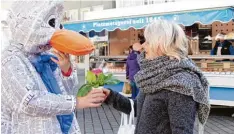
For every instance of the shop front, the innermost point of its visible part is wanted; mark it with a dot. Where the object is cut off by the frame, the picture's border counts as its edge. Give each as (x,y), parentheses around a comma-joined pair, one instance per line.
(201,23)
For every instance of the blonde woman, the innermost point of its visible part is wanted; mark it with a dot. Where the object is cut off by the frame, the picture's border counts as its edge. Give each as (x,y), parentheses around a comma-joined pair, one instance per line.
(172,88)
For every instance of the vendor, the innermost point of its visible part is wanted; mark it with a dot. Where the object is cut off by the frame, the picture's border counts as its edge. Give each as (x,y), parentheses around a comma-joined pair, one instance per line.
(222,47)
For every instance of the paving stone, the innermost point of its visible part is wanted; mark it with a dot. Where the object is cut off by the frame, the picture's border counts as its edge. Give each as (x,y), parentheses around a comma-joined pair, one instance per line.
(106,120)
(108,132)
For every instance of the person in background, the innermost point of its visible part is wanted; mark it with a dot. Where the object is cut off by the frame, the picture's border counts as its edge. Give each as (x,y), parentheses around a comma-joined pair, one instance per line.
(132,68)
(173,90)
(222,47)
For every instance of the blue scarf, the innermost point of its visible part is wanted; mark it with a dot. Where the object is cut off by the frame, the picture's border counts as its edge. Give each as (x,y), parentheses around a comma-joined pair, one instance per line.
(45,67)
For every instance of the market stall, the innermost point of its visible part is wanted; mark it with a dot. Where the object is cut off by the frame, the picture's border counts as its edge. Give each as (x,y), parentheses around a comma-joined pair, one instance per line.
(128,23)
(220,73)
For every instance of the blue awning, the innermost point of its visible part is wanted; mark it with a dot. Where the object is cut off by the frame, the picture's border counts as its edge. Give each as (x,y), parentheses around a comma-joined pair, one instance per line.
(185,18)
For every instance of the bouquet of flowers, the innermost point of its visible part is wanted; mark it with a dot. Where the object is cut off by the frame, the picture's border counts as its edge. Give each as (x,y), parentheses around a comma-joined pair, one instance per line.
(96,79)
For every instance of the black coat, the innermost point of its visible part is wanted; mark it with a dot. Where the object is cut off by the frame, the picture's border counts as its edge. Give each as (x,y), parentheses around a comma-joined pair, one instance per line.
(159,113)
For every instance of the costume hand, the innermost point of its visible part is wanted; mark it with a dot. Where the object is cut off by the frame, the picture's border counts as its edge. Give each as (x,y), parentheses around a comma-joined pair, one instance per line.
(93,99)
(63,61)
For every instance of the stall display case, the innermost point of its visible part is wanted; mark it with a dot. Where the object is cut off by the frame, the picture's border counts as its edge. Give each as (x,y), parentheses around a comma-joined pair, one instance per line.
(219,70)
(115,65)
(111,64)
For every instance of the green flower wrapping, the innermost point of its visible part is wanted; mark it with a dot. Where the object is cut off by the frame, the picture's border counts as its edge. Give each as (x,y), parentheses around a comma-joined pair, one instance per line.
(96,79)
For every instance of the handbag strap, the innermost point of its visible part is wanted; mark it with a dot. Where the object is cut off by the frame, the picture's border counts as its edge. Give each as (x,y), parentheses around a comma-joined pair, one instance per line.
(131,117)
(124,119)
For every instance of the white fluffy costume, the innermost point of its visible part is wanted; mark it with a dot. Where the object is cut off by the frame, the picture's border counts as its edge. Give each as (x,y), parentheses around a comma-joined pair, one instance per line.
(27,105)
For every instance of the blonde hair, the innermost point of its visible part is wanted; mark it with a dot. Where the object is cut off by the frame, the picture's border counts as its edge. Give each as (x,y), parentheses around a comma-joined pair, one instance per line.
(167,38)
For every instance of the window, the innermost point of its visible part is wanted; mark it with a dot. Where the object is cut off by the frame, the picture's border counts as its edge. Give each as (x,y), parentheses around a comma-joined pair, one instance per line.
(83,11)
(80,59)
(73,14)
(128,3)
(97,8)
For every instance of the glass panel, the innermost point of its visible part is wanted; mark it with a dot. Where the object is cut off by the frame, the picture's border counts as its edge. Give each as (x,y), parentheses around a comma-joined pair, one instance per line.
(80,59)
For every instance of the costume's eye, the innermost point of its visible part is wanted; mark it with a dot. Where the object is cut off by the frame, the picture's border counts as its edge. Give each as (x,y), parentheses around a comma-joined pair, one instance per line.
(61,26)
(52,22)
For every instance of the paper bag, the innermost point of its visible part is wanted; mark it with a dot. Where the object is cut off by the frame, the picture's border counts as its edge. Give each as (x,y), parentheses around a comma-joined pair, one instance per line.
(126,88)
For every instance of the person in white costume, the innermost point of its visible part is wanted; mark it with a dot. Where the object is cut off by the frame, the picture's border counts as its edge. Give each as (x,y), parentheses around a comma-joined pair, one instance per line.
(5,32)
(36,86)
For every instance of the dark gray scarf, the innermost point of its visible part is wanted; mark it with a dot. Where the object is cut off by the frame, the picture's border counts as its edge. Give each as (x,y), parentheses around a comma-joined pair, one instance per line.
(182,77)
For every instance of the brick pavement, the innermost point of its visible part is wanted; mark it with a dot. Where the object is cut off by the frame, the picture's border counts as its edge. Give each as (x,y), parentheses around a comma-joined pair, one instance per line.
(106,120)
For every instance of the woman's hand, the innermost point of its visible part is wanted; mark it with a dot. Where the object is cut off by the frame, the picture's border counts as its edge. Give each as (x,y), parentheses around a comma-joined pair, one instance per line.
(63,61)
(106,92)
(93,99)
